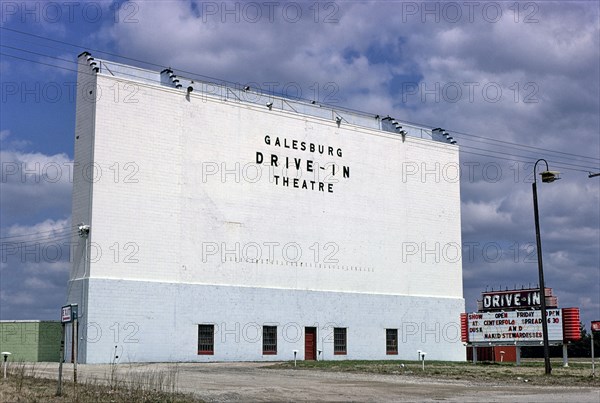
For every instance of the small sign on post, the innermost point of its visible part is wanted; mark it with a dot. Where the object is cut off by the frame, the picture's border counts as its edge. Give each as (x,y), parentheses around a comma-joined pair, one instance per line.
(68,313)
(65,314)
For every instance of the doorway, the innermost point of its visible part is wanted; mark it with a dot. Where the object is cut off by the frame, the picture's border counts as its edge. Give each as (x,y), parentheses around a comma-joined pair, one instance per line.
(310,343)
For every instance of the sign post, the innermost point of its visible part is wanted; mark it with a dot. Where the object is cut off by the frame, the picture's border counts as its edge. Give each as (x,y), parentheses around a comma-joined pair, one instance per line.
(595,328)
(61,359)
(593,363)
(75,337)
(67,314)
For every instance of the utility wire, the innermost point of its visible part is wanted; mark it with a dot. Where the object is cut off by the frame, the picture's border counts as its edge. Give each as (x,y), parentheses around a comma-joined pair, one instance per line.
(521,156)
(41,232)
(558,164)
(524,145)
(506,144)
(35,61)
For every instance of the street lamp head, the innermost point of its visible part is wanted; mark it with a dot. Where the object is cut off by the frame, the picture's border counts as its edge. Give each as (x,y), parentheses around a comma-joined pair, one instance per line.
(550,176)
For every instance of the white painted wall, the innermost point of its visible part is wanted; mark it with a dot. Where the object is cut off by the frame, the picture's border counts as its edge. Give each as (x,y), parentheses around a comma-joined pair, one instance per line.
(170,145)
(180,208)
(156,321)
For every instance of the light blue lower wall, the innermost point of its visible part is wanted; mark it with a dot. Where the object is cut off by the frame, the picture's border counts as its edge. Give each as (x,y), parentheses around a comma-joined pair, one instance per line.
(158,322)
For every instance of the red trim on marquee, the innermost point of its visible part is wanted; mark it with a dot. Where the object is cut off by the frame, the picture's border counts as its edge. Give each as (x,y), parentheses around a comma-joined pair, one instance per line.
(464,328)
(571,331)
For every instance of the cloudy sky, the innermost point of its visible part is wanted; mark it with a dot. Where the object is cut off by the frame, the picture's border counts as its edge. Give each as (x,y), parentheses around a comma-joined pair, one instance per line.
(512,81)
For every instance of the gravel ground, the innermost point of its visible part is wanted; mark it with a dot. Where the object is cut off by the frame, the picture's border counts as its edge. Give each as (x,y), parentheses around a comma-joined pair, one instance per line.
(256,382)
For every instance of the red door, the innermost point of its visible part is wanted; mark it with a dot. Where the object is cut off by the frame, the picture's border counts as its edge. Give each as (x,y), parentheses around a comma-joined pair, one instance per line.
(310,343)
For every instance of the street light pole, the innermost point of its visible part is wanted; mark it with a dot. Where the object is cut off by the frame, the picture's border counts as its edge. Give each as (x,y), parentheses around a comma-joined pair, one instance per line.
(547,177)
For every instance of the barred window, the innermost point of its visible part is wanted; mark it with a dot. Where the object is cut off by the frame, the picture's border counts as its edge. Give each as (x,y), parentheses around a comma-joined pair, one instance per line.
(206,339)
(339,340)
(269,339)
(391,341)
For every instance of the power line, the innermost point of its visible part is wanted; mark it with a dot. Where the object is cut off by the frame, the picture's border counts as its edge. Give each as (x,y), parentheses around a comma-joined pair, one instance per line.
(58,58)
(524,145)
(160,66)
(35,61)
(496,157)
(558,164)
(36,241)
(503,143)
(38,54)
(66,229)
(500,152)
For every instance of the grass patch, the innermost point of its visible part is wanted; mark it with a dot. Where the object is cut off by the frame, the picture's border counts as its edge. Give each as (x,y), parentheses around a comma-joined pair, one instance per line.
(532,372)
(147,387)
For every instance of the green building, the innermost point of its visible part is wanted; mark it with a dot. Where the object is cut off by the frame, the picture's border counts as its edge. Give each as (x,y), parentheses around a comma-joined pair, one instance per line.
(31,340)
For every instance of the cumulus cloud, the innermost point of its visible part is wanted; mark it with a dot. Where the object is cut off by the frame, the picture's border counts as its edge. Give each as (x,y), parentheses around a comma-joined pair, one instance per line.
(34,269)
(34,185)
(526,76)
(34,249)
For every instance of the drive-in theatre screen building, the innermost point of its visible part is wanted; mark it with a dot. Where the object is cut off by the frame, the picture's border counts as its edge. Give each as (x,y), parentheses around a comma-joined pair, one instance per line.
(219,223)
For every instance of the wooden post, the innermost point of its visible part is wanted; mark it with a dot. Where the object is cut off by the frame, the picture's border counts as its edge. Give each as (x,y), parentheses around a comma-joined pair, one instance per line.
(60,360)
(593,362)
(75,337)
(72,344)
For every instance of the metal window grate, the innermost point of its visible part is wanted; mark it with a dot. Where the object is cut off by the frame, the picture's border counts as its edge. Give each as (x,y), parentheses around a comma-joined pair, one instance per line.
(269,339)
(339,340)
(206,339)
(391,341)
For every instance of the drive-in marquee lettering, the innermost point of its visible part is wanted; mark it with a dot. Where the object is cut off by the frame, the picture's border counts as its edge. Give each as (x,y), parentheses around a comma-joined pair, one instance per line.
(511,299)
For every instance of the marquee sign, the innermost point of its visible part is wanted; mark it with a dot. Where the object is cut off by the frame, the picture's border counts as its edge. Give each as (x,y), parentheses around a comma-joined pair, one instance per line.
(515,299)
(514,326)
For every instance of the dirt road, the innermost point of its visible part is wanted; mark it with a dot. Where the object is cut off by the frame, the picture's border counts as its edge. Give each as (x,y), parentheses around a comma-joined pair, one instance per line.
(247,382)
